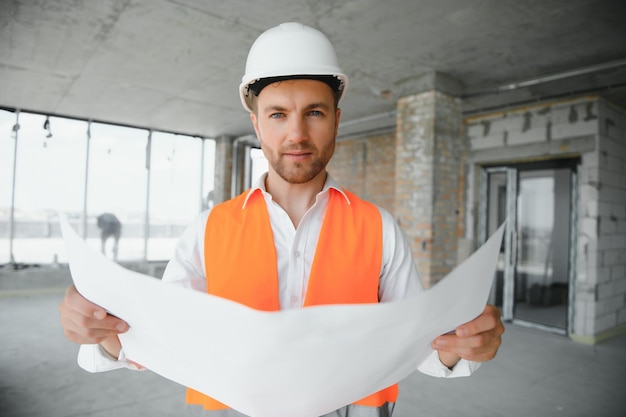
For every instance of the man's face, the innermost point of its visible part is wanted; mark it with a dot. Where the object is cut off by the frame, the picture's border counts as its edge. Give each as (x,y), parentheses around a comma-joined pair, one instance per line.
(296,123)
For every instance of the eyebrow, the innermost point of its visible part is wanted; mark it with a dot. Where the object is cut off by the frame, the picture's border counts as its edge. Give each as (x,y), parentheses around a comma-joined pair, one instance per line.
(320,105)
(312,106)
(273,108)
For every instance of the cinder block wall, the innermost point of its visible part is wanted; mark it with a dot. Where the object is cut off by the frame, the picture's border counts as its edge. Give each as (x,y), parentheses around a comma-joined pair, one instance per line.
(610,222)
(595,131)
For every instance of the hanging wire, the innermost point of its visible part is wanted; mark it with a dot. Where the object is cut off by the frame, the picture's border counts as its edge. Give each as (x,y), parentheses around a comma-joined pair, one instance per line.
(86,183)
(16,128)
(46,127)
(172,154)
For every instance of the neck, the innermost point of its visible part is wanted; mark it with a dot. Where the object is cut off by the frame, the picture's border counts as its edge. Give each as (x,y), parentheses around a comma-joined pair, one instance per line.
(295,199)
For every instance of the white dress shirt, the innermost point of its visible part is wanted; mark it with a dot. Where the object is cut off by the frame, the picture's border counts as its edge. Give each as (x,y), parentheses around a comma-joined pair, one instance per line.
(295,250)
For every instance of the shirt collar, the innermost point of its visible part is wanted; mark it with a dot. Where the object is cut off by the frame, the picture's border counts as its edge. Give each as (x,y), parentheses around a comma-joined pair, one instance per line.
(259,186)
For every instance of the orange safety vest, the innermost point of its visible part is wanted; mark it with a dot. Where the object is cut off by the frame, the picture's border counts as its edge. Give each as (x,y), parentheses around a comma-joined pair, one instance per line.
(240,260)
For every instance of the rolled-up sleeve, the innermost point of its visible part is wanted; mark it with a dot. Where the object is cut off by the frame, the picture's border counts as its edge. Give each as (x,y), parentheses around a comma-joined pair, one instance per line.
(92,358)
(432,366)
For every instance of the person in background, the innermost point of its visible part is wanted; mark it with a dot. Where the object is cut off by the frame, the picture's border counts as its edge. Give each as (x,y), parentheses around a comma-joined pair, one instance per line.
(110,228)
(295,238)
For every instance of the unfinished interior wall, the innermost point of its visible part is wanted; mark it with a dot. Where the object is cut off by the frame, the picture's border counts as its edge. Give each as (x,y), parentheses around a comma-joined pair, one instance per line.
(366,166)
(595,131)
(223,168)
(396,171)
(609,303)
(430,149)
(417,174)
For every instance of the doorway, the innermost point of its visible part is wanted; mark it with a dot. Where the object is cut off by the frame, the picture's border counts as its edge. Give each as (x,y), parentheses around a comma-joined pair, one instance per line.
(535,270)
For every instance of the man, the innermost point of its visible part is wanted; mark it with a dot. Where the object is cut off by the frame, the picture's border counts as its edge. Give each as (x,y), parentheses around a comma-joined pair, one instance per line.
(295,238)
(110,227)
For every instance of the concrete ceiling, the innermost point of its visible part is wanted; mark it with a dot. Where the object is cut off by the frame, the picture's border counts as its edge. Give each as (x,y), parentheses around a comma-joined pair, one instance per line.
(175,65)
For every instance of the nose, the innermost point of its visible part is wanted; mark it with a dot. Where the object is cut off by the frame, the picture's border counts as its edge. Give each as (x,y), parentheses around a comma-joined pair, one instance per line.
(298,130)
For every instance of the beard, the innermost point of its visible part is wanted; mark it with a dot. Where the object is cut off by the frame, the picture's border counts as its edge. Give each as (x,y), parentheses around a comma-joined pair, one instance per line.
(300,172)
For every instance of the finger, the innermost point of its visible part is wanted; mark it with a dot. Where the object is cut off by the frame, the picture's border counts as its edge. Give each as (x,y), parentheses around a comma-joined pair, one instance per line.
(480,347)
(86,330)
(75,301)
(475,333)
(87,314)
(468,349)
(489,319)
(481,353)
(91,327)
(137,365)
(85,322)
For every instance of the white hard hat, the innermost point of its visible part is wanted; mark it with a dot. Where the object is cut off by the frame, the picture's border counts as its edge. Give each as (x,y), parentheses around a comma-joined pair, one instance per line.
(290,50)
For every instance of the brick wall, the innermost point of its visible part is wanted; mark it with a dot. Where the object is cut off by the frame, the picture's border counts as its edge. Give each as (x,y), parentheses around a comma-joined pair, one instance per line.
(430,149)
(414,181)
(366,167)
(417,173)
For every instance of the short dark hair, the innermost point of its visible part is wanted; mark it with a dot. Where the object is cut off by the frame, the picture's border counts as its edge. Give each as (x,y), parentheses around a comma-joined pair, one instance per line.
(335,84)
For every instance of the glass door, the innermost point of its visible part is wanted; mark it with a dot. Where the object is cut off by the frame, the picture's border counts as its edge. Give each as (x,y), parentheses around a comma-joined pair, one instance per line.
(543,237)
(498,205)
(532,282)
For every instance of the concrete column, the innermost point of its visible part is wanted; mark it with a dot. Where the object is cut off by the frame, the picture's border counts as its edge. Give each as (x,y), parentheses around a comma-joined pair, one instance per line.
(430,154)
(223,168)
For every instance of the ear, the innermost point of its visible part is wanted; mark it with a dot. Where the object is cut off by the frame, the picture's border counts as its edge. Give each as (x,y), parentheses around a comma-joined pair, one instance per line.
(255,125)
(337,117)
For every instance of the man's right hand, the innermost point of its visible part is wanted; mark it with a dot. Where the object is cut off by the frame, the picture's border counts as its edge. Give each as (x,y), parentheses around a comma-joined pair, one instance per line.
(87,323)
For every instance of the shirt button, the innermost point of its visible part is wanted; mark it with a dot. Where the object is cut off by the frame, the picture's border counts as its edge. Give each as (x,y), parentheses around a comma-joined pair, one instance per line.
(296,254)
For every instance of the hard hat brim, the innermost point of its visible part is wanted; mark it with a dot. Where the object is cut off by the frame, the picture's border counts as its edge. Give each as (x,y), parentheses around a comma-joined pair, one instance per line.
(247,91)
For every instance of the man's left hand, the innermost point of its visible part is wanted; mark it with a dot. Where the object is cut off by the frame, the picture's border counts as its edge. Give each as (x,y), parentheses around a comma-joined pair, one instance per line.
(477,340)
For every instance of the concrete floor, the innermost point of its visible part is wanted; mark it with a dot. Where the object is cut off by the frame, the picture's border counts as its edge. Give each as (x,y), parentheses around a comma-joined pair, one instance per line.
(535,374)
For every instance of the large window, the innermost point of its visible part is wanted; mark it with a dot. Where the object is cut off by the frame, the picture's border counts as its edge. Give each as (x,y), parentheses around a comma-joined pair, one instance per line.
(48,178)
(7,147)
(208,168)
(176,190)
(259,164)
(117,187)
(136,188)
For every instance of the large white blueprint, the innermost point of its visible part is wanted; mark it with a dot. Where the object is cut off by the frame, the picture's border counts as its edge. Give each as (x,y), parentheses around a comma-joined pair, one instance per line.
(288,363)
